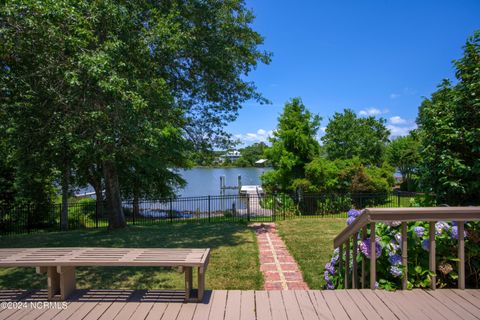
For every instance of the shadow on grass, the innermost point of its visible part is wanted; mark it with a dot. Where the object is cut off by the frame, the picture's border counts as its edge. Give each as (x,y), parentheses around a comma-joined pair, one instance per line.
(229,236)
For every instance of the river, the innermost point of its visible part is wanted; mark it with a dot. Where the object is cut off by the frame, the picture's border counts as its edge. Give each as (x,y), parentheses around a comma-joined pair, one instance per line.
(206,181)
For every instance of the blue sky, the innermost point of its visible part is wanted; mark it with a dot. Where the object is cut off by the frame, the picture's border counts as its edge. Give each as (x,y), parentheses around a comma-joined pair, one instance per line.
(375,57)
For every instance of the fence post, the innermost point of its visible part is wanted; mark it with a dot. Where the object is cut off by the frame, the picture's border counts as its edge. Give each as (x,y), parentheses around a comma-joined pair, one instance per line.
(96,213)
(209,212)
(171,210)
(248,207)
(284,208)
(133,211)
(274,205)
(59,216)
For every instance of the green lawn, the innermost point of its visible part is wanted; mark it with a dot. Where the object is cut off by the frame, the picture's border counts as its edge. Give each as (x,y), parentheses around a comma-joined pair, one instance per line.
(233,263)
(310,241)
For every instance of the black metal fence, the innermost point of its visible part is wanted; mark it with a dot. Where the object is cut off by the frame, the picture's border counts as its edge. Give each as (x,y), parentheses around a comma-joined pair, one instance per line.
(85,213)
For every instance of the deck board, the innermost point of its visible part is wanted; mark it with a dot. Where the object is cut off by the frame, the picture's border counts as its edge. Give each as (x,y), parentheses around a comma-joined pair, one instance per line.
(306,305)
(378,305)
(262,305)
(247,305)
(320,305)
(457,309)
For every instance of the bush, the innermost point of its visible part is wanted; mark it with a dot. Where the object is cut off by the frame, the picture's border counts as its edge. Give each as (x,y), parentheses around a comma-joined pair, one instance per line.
(389,263)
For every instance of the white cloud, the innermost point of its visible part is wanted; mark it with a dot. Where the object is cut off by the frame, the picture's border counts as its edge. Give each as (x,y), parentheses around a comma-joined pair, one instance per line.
(372,112)
(404,92)
(397,120)
(398,131)
(394,96)
(261,135)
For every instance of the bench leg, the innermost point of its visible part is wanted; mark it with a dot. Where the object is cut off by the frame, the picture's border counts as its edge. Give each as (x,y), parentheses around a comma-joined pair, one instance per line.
(67,281)
(61,282)
(53,280)
(188,282)
(201,283)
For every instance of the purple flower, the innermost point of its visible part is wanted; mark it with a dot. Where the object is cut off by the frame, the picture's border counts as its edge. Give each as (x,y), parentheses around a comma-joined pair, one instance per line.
(376,285)
(419,231)
(395,260)
(440,226)
(365,248)
(392,247)
(426,244)
(396,271)
(326,276)
(350,220)
(353,213)
(330,268)
(330,285)
(398,237)
(455,232)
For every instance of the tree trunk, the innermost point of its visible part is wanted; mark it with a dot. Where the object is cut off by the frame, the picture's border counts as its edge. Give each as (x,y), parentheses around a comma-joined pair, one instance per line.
(99,199)
(95,180)
(64,211)
(116,218)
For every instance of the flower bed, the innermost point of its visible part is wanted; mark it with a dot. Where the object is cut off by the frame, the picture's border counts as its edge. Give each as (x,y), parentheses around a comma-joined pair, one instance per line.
(388,252)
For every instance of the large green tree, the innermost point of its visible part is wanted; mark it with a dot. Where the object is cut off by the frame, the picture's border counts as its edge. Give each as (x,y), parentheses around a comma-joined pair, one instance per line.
(294,144)
(449,129)
(251,154)
(348,136)
(122,90)
(404,154)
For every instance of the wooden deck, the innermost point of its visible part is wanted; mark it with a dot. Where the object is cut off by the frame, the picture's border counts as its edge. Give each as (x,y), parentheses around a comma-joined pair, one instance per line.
(232,304)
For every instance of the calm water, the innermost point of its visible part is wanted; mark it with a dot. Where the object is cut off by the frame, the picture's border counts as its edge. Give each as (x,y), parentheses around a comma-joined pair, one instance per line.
(206,181)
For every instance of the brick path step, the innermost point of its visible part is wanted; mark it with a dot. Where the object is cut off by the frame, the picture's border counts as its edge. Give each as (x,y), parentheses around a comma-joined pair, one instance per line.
(280,270)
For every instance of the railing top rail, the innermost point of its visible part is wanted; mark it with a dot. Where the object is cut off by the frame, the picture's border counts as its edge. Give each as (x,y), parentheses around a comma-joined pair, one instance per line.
(406,214)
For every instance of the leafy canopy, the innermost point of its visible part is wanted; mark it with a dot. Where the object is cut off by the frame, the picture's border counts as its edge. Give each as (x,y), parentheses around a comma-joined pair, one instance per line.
(294,144)
(449,131)
(404,154)
(126,89)
(348,136)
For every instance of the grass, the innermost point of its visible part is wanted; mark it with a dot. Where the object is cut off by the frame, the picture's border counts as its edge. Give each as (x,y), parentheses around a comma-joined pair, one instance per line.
(233,262)
(310,241)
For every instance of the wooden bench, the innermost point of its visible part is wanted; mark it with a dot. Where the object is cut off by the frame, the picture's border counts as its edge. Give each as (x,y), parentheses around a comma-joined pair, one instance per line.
(59,264)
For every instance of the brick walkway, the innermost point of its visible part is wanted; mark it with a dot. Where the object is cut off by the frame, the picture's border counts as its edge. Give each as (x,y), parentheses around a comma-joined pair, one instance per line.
(280,271)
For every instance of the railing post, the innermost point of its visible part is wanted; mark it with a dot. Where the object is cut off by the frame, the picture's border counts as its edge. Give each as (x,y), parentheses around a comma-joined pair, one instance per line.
(431,259)
(347,263)
(364,236)
(398,200)
(209,212)
(373,257)
(340,260)
(404,256)
(354,262)
(284,208)
(171,210)
(461,255)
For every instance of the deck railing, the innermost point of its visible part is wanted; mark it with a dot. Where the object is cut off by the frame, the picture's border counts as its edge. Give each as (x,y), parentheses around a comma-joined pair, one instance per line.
(370,217)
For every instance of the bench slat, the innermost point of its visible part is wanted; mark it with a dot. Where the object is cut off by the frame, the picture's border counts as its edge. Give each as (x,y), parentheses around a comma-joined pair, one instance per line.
(103,257)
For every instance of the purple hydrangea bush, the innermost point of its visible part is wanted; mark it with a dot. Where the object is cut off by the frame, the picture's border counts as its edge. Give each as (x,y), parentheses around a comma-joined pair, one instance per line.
(388,252)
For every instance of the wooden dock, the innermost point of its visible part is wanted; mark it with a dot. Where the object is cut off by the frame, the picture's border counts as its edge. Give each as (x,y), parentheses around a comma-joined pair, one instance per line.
(233,304)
